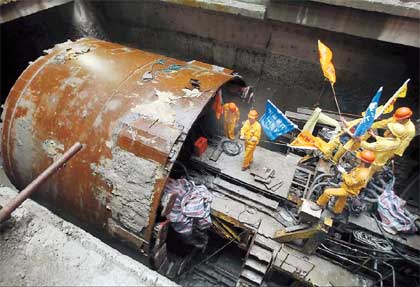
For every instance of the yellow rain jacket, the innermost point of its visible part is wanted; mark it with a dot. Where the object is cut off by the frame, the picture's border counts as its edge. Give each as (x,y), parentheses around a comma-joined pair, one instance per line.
(384,149)
(405,138)
(230,121)
(355,180)
(252,135)
(351,185)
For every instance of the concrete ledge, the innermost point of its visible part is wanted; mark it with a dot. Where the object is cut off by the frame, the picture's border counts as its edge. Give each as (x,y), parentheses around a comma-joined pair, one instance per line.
(404,8)
(342,19)
(37,248)
(244,8)
(15,10)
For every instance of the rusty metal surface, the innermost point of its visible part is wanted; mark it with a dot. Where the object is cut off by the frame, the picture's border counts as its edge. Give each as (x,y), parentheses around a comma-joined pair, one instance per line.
(93,92)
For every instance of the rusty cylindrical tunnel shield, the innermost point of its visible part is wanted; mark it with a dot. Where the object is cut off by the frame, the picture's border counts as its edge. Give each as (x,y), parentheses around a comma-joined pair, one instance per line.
(130,110)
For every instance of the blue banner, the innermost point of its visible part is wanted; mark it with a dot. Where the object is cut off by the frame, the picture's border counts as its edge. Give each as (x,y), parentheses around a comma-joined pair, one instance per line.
(274,122)
(369,116)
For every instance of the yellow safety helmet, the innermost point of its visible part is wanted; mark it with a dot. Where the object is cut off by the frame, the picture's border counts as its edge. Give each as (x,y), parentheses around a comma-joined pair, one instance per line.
(253,114)
(397,129)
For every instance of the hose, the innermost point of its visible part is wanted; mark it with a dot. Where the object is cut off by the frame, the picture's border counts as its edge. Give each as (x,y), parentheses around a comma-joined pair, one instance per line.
(329,251)
(318,178)
(377,187)
(390,243)
(393,272)
(187,175)
(370,199)
(311,190)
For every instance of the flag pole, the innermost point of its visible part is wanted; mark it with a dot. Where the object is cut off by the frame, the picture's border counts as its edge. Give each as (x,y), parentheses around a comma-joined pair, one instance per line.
(335,99)
(318,101)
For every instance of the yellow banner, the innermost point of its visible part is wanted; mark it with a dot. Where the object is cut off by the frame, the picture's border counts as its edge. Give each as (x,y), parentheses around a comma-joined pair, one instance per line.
(325,58)
(389,105)
(305,140)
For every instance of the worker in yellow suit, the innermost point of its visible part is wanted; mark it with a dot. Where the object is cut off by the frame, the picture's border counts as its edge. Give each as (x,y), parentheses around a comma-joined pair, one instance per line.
(231,117)
(351,184)
(384,147)
(335,142)
(399,125)
(251,133)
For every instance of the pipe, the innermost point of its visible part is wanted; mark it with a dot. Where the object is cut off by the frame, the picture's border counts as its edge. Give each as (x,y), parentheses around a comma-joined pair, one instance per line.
(319,177)
(32,187)
(377,187)
(356,263)
(393,273)
(365,197)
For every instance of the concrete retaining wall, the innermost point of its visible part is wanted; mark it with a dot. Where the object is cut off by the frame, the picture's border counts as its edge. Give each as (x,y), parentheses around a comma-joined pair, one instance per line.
(283,52)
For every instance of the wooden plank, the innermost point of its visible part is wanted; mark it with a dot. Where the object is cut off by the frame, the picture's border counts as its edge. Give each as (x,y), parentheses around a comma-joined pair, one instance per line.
(241,191)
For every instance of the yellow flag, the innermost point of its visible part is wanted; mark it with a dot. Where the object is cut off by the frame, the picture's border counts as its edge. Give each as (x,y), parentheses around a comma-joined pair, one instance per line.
(305,140)
(389,105)
(325,58)
(401,93)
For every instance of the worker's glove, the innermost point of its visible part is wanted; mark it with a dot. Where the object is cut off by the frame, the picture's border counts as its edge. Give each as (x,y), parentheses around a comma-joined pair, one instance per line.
(242,137)
(340,168)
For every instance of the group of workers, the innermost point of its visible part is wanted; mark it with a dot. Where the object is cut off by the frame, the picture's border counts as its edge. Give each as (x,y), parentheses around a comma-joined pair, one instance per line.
(399,131)
(250,131)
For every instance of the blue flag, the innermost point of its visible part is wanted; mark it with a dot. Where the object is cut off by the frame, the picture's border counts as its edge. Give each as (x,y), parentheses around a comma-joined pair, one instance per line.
(369,116)
(274,122)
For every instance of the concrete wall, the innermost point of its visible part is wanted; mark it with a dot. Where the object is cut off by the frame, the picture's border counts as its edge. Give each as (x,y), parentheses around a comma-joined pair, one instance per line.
(281,56)
(282,52)
(25,38)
